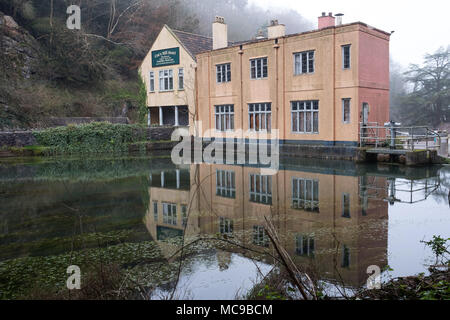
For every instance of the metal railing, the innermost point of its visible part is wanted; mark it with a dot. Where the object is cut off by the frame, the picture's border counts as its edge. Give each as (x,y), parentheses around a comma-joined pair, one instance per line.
(399,137)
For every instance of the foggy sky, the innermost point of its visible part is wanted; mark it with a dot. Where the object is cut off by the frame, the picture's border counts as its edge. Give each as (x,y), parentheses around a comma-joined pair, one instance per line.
(420,26)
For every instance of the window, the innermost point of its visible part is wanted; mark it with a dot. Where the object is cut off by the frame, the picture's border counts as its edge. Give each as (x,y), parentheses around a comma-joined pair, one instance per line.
(170,213)
(261,188)
(346,205)
(152,81)
(305,194)
(165,80)
(224,118)
(260,237)
(184,214)
(304,62)
(223,72)
(304,245)
(345,257)
(346,57)
(346,110)
(305,116)
(258,68)
(225,184)
(225,226)
(181,79)
(155,210)
(260,116)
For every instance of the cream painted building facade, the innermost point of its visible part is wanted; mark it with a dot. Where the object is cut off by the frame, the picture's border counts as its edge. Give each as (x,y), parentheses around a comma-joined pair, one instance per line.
(168,72)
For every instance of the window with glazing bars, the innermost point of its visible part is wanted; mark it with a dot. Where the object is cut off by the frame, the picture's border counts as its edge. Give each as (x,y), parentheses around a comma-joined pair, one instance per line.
(260,237)
(305,116)
(304,62)
(181,79)
(305,194)
(223,72)
(155,210)
(165,80)
(305,245)
(260,116)
(225,226)
(346,56)
(152,81)
(224,117)
(258,68)
(261,188)
(346,110)
(184,214)
(346,205)
(170,213)
(225,184)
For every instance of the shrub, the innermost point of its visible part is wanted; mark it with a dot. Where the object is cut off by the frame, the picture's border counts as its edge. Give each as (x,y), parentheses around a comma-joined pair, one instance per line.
(99,137)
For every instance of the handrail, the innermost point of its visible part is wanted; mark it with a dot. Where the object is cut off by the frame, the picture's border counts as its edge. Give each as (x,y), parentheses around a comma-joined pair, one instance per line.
(405,137)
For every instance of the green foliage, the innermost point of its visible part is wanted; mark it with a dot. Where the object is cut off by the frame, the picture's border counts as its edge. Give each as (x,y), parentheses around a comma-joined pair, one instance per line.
(98,137)
(440,248)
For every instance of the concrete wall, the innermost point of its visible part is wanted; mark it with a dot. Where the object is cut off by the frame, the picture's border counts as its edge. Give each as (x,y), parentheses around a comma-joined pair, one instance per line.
(17,139)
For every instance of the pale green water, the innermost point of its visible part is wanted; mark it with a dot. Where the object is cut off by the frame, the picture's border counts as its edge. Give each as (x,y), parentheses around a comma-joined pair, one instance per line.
(336,218)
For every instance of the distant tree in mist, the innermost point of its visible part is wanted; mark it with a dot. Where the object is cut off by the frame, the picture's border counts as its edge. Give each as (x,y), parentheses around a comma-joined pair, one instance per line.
(428,103)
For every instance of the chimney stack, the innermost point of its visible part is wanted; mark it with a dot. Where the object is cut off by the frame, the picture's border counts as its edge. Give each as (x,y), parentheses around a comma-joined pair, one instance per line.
(220,33)
(326,21)
(339,18)
(276,30)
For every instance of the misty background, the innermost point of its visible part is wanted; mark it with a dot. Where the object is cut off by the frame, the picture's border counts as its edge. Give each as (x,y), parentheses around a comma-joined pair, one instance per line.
(93,72)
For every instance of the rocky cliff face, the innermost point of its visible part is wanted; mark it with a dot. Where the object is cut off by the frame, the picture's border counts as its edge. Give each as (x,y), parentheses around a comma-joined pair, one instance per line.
(18,48)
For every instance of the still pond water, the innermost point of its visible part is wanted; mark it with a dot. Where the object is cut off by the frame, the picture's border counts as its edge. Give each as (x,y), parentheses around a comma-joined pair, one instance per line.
(336,218)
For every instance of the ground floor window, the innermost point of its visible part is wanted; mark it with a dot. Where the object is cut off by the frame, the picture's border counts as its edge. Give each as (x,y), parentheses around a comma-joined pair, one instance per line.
(260,116)
(305,116)
(305,194)
(224,117)
(170,213)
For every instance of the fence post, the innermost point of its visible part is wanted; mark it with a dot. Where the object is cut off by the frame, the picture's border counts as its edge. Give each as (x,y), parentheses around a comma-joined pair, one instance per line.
(412,139)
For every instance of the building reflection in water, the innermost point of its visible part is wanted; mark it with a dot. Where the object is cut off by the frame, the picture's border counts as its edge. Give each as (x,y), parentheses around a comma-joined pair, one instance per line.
(335,223)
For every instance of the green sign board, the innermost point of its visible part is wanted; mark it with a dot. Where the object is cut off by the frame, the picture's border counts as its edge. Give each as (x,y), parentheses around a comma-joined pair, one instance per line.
(166,57)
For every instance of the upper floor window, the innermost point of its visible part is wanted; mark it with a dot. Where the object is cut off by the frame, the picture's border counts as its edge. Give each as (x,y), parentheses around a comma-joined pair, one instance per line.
(260,116)
(225,184)
(226,226)
(305,116)
(170,213)
(166,80)
(260,237)
(258,68)
(261,188)
(224,117)
(346,56)
(304,245)
(305,194)
(184,215)
(346,205)
(155,210)
(304,62)
(346,110)
(181,79)
(223,72)
(152,81)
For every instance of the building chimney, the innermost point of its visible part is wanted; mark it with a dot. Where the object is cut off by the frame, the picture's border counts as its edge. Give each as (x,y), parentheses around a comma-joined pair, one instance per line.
(339,18)
(326,21)
(276,30)
(220,33)
(260,35)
